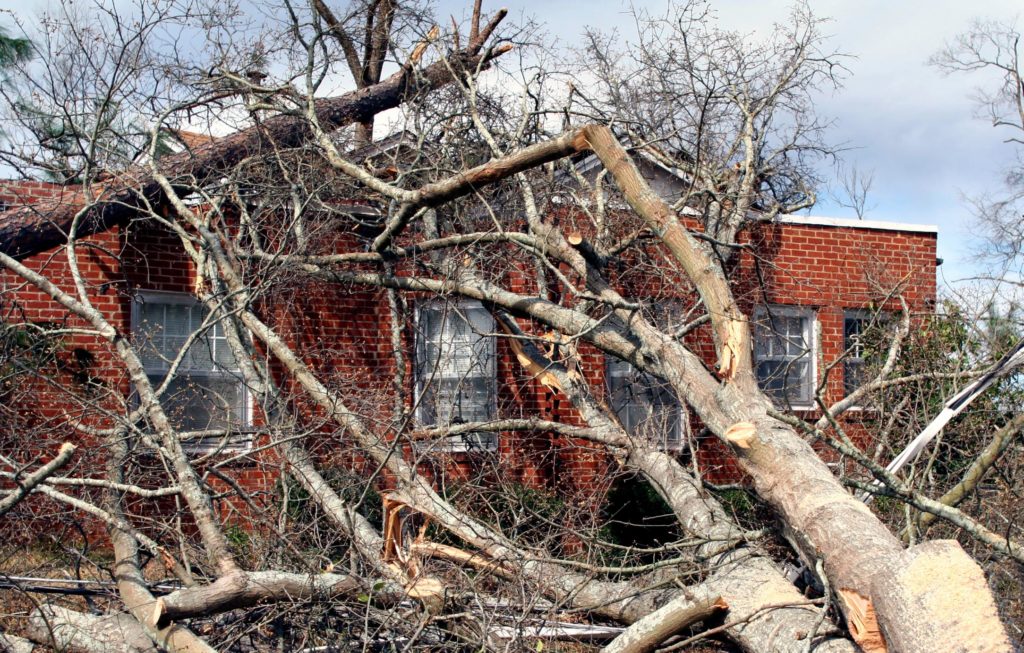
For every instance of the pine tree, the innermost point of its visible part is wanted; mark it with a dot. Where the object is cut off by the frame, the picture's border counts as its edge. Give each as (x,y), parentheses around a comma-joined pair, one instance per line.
(13,50)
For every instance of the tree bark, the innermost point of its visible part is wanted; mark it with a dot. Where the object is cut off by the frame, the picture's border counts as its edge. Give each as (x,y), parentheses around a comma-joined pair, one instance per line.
(68,630)
(246,589)
(650,631)
(32,229)
(822,519)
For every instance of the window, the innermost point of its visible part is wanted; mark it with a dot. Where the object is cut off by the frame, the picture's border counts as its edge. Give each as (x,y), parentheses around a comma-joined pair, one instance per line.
(455,371)
(865,333)
(645,405)
(855,323)
(784,354)
(206,393)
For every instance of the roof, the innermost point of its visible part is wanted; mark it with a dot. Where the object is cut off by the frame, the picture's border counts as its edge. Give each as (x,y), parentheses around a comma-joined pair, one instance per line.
(192,140)
(854,223)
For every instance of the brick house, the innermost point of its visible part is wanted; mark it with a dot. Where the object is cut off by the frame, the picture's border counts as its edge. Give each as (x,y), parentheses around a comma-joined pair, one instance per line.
(810,284)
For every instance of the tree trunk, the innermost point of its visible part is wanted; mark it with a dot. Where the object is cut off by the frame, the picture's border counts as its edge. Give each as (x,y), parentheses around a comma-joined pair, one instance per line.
(937,578)
(68,630)
(246,589)
(650,631)
(28,230)
(822,519)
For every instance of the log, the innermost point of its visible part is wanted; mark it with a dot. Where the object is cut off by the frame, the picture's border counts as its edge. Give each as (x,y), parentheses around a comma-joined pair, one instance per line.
(938,578)
(15,644)
(246,589)
(646,634)
(67,630)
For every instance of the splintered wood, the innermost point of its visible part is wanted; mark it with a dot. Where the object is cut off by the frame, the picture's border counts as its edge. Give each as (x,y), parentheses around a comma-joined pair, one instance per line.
(733,340)
(860,615)
(538,371)
(392,529)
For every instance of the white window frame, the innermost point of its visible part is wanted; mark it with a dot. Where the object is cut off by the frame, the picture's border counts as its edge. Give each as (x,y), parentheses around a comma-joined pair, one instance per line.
(238,442)
(854,357)
(424,377)
(616,371)
(763,314)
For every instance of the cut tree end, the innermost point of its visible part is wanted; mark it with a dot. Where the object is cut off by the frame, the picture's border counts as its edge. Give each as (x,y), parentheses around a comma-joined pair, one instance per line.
(741,434)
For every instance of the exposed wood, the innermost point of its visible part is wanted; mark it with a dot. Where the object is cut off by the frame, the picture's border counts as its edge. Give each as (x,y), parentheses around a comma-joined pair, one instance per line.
(938,578)
(741,434)
(649,632)
(473,559)
(429,591)
(392,530)
(732,349)
(527,357)
(421,47)
(862,622)
(404,558)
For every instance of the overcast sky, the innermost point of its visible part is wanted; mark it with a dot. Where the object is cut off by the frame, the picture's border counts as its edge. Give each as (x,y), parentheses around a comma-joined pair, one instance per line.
(912,126)
(903,120)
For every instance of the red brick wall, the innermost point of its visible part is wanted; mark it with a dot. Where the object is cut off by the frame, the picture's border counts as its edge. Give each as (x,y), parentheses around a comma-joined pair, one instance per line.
(24,193)
(343,333)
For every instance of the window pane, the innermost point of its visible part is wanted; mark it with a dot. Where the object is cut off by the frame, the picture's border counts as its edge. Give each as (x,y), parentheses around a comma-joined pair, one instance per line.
(854,370)
(456,369)
(645,405)
(177,320)
(786,381)
(224,358)
(853,375)
(853,327)
(204,394)
(782,354)
(199,403)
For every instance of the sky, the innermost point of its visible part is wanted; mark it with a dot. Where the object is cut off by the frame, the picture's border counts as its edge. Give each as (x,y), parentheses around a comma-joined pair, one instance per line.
(912,127)
(902,119)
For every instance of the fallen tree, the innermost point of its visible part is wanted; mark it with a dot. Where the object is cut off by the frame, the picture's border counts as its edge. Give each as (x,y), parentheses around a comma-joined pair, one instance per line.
(428,241)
